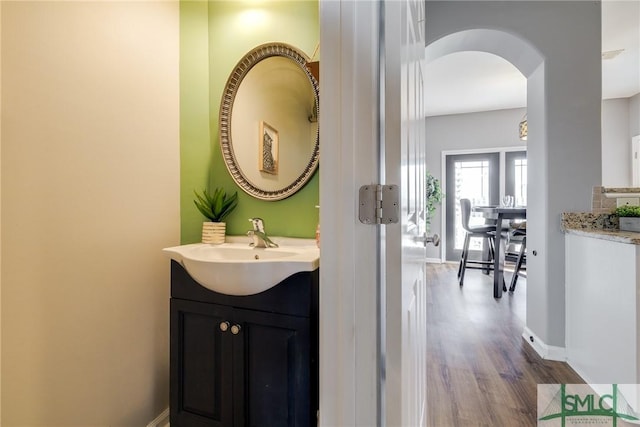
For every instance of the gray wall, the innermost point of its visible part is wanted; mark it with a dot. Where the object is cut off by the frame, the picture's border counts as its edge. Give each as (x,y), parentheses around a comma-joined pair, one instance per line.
(492,129)
(498,129)
(564,112)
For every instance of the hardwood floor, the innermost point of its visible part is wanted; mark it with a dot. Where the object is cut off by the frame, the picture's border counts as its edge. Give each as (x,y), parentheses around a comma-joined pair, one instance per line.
(480,371)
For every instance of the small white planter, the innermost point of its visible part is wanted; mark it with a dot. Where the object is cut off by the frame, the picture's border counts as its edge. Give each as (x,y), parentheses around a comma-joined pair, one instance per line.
(630,224)
(213,232)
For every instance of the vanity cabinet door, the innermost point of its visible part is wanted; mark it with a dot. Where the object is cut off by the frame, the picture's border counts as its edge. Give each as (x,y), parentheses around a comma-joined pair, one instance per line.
(201,365)
(272,375)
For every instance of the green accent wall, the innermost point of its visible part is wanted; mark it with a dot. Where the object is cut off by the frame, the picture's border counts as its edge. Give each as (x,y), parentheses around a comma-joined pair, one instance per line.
(214,36)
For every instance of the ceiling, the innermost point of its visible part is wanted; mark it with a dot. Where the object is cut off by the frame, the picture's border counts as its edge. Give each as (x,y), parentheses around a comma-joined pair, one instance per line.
(466,82)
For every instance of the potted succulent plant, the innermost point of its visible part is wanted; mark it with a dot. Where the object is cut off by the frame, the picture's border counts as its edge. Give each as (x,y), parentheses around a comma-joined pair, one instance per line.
(215,207)
(629,218)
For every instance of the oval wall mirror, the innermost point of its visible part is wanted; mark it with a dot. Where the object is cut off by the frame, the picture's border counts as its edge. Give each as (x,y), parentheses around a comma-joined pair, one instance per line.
(269,122)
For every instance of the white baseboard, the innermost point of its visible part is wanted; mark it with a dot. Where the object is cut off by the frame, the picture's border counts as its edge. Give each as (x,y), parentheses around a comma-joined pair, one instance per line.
(548,352)
(584,377)
(161,420)
(433,261)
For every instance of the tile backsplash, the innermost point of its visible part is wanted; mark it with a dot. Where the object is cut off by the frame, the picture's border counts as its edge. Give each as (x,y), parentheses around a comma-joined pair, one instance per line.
(604,200)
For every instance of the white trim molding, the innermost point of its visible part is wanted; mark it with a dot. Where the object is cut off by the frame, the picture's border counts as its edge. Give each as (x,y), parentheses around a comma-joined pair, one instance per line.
(484,150)
(547,352)
(635,160)
(161,420)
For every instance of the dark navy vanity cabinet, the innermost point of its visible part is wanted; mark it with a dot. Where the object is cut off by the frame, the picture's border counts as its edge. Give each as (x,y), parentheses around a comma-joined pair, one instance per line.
(241,361)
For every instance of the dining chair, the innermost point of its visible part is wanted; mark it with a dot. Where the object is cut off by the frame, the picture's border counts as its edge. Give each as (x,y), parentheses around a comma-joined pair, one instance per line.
(519,234)
(486,232)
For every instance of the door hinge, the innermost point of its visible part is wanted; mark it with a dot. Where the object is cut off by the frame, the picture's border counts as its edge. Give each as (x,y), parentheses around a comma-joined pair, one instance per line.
(379,204)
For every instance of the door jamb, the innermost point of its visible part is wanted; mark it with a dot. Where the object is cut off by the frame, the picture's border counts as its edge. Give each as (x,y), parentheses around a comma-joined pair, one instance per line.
(349,357)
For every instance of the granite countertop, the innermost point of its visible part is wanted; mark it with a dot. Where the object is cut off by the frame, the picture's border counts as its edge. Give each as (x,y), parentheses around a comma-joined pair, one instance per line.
(628,237)
(598,226)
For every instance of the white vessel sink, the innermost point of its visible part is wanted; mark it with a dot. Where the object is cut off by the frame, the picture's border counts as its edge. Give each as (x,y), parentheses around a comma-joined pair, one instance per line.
(239,269)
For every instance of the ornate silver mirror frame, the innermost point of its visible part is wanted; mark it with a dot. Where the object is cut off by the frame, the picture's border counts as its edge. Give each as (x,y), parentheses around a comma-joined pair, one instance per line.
(248,62)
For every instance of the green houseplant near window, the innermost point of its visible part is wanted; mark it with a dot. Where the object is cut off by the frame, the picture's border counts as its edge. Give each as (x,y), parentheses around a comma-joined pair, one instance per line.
(629,218)
(215,207)
(434,198)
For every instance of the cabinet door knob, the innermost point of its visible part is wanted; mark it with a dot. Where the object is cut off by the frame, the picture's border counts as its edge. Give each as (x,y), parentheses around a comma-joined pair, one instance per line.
(224,326)
(235,329)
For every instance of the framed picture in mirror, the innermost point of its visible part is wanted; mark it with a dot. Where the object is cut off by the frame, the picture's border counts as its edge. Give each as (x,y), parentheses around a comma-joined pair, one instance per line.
(269,144)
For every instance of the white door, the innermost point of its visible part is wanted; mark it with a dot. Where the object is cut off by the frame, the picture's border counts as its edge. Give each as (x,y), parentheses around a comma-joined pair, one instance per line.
(372,296)
(404,163)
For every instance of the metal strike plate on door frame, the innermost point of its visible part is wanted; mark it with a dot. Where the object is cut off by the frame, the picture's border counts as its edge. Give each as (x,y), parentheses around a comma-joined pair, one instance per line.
(379,204)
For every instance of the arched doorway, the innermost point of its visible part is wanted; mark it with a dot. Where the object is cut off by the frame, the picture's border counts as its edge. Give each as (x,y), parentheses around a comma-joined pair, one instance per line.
(528,60)
(556,46)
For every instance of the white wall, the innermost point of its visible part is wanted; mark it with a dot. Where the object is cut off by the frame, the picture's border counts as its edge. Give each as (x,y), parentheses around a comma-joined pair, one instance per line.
(591,262)
(90,194)
(634,115)
(616,143)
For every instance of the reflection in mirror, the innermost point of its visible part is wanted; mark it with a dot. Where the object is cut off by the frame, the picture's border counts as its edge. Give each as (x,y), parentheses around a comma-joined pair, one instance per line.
(268,122)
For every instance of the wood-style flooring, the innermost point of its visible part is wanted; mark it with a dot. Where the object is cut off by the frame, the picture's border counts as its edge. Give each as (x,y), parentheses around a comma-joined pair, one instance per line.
(480,371)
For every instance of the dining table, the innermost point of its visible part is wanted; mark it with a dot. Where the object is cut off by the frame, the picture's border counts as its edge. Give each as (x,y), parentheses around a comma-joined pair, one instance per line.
(500,214)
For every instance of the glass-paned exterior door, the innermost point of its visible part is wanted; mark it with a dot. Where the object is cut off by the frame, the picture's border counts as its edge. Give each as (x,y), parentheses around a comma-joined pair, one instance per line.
(469,176)
(516,176)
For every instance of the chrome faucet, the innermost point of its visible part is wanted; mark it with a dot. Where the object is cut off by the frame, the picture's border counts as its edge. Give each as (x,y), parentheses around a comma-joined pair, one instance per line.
(259,238)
